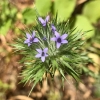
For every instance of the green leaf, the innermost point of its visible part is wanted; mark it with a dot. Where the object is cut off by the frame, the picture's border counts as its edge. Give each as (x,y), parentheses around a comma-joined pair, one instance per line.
(29,15)
(64,8)
(92,10)
(70,70)
(43,6)
(62,73)
(4,29)
(83,24)
(38,76)
(13,12)
(7,12)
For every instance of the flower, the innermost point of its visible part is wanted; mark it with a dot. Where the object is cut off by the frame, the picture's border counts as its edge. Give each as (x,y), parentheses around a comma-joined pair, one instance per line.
(30,39)
(59,39)
(53,28)
(42,54)
(44,21)
(44,38)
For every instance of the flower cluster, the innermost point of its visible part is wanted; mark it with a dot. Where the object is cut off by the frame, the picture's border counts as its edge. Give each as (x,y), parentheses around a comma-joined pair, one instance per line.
(58,39)
(51,46)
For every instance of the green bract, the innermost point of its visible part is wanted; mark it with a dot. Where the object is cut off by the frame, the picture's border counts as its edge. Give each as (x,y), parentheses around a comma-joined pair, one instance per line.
(67,58)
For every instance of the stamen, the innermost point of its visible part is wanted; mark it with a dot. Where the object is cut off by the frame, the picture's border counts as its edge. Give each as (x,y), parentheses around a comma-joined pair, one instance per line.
(59,40)
(31,39)
(43,53)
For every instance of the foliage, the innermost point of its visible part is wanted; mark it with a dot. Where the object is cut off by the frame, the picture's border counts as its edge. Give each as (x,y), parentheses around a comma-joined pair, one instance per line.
(83,23)
(7,16)
(4,86)
(69,58)
(91,11)
(29,15)
(97,87)
(64,8)
(43,6)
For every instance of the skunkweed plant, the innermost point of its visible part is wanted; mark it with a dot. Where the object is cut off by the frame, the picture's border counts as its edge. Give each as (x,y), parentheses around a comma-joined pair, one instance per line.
(50,46)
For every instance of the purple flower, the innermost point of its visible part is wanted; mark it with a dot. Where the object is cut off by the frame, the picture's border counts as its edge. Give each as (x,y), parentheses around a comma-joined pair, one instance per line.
(44,38)
(53,28)
(42,54)
(30,39)
(59,39)
(44,21)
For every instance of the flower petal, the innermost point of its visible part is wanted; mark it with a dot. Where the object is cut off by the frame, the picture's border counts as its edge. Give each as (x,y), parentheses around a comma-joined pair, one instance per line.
(64,36)
(28,35)
(47,18)
(45,50)
(35,40)
(57,34)
(26,41)
(33,34)
(38,56)
(53,39)
(46,55)
(41,20)
(39,51)
(64,41)
(44,24)
(53,28)
(29,44)
(43,58)
(58,45)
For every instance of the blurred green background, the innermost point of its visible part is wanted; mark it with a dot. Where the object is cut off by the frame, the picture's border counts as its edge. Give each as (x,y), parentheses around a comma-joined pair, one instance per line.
(19,14)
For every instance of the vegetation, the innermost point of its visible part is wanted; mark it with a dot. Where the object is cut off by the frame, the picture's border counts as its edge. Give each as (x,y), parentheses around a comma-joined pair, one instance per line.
(83,22)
